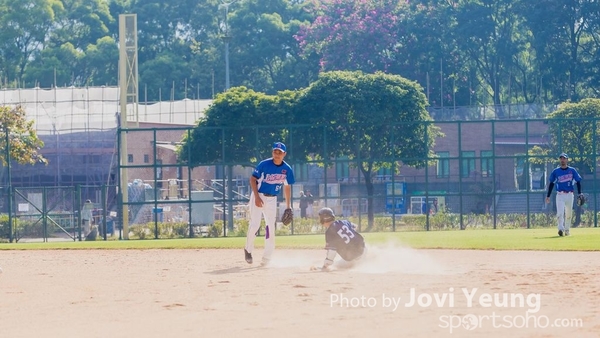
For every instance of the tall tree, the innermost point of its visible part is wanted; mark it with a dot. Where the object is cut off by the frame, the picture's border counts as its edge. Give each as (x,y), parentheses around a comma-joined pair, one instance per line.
(264,54)
(83,22)
(368,118)
(564,33)
(353,35)
(488,32)
(25,27)
(238,128)
(575,130)
(58,66)
(101,63)
(429,54)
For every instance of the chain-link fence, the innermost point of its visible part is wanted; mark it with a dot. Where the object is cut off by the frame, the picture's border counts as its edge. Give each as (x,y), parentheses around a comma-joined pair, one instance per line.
(439,175)
(482,174)
(58,213)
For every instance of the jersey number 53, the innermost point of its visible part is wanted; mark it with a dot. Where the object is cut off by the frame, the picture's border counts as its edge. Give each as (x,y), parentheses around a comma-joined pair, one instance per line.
(346,234)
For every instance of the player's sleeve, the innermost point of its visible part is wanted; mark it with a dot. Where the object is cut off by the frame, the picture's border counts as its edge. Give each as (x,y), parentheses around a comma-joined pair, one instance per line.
(552,177)
(576,176)
(257,171)
(550,187)
(289,177)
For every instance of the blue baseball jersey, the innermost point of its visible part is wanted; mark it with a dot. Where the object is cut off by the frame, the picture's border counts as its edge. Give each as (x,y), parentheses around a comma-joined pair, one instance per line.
(272,177)
(563,178)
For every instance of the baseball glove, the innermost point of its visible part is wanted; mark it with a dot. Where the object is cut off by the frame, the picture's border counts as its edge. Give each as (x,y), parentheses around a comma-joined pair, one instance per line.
(287,217)
(580,199)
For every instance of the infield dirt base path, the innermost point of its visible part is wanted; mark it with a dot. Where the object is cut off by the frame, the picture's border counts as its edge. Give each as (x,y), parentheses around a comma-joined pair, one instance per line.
(214,293)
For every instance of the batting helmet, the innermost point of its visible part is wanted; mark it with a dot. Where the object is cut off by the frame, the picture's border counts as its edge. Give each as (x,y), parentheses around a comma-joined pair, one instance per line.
(326,215)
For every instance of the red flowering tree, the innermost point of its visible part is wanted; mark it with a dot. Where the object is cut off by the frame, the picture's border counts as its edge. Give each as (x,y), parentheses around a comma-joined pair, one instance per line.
(353,34)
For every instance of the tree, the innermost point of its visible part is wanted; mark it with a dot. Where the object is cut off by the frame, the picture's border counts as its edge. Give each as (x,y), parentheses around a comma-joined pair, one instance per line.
(101,63)
(488,32)
(372,119)
(25,26)
(575,130)
(183,32)
(83,22)
(353,35)
(23,140)
(564,37)
(165,73)
(428,52)
(264,53)
(54,67)
(237,128)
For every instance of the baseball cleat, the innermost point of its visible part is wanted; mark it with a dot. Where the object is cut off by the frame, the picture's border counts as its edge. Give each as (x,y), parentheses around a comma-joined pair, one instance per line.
(248,256)
(567,233)
(560,233)
(264,262)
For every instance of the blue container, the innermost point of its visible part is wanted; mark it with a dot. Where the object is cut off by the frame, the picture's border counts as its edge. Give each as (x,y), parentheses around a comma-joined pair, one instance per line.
(158,212)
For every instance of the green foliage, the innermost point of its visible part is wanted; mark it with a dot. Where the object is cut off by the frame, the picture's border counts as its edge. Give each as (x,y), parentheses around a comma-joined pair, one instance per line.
(139,231)
(340,35)
(306,226)
(32,228)
(539,155)
(229,131)
(266,53)
(350,108)
(215,230)
(4,226)
(241,227)
(466,52)
(23,140)
(574,132)
(368,117)
(165,230)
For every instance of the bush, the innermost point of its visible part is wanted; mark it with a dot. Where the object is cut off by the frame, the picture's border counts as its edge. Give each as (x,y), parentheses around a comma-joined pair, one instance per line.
(4,226)
(139,231)
(216,229)
(240,228)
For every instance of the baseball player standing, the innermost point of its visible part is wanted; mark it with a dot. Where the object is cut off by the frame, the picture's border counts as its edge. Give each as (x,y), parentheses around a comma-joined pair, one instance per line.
(266,181)
(341,238)
(562,177)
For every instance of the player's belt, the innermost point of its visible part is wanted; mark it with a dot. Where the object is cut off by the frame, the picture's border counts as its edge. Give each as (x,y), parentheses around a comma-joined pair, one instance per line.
(565,192)
(268,195)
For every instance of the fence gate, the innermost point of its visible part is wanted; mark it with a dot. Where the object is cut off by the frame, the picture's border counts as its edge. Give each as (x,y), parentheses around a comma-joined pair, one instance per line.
(45,212)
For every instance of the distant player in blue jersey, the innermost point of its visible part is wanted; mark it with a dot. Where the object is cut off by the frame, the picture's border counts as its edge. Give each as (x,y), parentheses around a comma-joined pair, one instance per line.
(563,178)
(268,178)
(341,238)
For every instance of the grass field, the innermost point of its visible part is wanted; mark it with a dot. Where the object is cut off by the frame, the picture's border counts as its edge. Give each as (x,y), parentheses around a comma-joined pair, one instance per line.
(582,239)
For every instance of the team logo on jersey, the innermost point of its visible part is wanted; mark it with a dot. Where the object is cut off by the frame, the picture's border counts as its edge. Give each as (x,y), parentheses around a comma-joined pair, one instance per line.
(274,178)
(284,171)
(565,178)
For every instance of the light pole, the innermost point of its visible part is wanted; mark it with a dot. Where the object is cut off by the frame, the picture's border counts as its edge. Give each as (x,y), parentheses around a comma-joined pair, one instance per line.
(9,178)
(226,38)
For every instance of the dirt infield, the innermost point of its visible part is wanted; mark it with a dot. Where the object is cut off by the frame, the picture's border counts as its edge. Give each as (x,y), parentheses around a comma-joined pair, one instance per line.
(214,293)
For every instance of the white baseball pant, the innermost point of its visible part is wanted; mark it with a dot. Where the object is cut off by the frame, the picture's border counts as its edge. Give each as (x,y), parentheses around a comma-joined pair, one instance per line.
(269,211)
(564,210)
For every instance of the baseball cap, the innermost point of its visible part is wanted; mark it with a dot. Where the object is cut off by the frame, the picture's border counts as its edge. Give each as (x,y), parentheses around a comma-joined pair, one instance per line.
(279,146)
(563,155)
